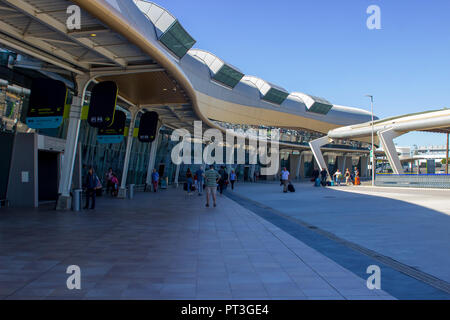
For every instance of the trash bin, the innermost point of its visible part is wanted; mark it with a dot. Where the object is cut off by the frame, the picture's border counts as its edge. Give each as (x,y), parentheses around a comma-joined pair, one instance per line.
(131,191)
(77,199)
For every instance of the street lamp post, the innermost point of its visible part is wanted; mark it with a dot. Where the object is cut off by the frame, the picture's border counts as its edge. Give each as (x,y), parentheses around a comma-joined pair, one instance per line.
(372,149)
(446,156)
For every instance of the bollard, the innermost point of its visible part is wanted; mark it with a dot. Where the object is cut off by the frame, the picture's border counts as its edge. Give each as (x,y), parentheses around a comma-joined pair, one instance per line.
(131,191)
(77,199)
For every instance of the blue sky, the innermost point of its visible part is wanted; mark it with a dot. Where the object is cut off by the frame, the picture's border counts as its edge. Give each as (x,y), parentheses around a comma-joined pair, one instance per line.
(324,48)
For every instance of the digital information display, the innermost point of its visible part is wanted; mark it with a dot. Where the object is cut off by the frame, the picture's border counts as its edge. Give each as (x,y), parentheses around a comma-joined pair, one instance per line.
(103,104)
(47,101)
(148,126)
(115,132)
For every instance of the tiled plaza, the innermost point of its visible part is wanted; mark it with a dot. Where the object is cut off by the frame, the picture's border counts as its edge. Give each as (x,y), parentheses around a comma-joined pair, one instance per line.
(166,245)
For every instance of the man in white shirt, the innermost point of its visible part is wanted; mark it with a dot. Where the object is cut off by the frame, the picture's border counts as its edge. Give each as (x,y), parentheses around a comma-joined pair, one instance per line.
(285,179)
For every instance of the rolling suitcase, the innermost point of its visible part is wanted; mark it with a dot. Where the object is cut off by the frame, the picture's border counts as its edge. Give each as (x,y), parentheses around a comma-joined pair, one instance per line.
(317,183)
(291,188)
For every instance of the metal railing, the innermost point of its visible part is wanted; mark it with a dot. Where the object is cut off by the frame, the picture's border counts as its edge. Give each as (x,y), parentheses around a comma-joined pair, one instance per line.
(441,181)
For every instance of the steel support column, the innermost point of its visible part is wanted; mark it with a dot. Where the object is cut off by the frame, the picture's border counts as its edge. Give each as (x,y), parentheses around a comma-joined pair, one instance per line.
(64,201)
(152,159)
(123,189)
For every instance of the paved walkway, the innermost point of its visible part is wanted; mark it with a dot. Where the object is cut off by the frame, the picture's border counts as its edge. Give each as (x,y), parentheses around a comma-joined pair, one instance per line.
(411,226)
(164,246)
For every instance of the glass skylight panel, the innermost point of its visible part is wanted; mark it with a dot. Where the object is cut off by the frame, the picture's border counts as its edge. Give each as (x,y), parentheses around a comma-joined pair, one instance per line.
(275,96)
(228,76)
(168,29)
(177,40)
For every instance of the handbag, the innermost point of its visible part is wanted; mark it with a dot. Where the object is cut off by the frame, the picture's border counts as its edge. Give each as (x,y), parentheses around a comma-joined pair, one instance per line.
(99,184)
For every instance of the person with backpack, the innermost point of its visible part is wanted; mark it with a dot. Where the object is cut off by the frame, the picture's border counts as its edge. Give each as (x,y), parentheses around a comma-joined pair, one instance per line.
(92,184)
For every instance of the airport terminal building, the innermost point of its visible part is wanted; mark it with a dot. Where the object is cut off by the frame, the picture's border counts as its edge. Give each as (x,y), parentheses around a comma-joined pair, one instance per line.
(144,51)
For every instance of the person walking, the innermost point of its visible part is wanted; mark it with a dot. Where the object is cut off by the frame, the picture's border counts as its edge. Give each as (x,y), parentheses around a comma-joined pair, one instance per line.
(200,175)
(315,175)
(189,180)
(211,179)
(337,177)
(92,184)
(285,179)
(347,176)
(223,179)
(323,177)
(233,179)
(109,184)
(155,180)
(115,183)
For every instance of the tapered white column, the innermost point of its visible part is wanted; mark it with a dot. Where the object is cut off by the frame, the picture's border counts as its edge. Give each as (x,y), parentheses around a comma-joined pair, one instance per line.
(315,148)
(65,182)
(177,175)
(152,159)
(387,141)
(126,162)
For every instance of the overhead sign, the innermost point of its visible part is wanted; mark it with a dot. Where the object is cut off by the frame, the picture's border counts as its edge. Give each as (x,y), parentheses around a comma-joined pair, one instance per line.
(148,126)
(103,104)
(47,101)
(115,132)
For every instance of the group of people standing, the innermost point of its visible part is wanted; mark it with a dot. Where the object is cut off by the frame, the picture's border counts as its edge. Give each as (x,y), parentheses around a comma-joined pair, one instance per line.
(351,177)
(211,180)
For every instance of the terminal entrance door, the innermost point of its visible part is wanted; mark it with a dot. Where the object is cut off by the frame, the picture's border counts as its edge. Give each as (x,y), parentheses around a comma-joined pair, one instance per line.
(48,175)
(246,173)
